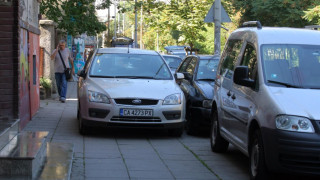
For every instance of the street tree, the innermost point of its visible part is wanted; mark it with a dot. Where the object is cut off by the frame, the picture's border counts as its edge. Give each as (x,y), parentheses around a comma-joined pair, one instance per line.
(274,12)
(313,15)
(73,16)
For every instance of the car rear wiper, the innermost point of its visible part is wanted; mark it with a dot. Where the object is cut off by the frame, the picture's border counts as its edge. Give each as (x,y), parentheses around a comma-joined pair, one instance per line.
(284,84)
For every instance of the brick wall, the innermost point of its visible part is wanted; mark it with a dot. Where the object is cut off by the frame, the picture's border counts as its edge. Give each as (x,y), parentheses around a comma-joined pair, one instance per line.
(9,60)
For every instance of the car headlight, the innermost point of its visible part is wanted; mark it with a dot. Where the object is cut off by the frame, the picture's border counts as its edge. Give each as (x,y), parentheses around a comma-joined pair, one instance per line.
(207,103)
(294,123)
(172,99)
(98,97)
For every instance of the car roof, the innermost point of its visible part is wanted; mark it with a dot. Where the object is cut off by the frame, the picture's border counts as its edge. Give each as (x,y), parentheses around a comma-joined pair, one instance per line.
(124,50)
(168,55)
(279,35)
(204,57)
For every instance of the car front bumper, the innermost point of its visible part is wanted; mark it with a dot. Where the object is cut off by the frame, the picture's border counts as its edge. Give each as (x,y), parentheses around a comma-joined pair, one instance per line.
(292,152)
(164,116)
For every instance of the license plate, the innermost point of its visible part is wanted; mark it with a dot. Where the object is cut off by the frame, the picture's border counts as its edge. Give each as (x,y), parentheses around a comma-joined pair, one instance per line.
(136,112)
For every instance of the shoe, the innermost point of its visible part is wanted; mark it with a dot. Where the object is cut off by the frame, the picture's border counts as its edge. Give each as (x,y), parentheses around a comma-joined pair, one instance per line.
(63,100)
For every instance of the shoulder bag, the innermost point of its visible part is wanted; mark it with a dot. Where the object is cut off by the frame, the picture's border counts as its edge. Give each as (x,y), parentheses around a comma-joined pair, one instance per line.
(67,71)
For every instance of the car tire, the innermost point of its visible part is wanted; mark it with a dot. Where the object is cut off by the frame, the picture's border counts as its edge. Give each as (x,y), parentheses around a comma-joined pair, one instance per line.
(177,132)
(218,143)
(191,127)
(82,127)
(258,168)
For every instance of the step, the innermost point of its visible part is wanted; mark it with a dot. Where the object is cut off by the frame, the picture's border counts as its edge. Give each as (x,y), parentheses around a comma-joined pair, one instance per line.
(8,130)
(24,155)
(59,162)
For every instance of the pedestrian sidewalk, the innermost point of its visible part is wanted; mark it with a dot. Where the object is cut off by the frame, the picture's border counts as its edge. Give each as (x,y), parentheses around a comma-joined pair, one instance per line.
(51,114)
(57,119)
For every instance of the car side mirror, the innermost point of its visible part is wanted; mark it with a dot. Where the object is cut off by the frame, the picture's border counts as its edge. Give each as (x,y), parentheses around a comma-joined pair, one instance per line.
(179,76)
(82,74)
(241,77)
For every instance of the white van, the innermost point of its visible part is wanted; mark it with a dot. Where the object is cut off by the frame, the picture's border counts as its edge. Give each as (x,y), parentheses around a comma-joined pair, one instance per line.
(267,99)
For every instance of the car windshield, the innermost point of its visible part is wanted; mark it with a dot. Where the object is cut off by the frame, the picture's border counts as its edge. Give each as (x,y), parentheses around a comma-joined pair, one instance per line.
(207,69)
(129,66)
(173,62)
(296,66)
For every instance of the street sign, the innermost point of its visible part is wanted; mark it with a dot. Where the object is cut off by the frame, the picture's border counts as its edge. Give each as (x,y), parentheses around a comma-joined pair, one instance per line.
(210,16)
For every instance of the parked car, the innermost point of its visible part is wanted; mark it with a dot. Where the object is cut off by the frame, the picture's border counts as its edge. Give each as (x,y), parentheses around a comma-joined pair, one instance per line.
(266,99)
(177,51)
(200,74)
(121,87)
(173,62)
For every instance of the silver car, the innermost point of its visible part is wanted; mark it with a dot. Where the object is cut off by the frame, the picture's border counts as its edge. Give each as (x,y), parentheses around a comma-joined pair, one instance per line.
(124,87)
(266,99)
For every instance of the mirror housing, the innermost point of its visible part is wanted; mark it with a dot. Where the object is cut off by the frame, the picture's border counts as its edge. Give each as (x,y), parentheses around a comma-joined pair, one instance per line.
(179,76)
(241,77)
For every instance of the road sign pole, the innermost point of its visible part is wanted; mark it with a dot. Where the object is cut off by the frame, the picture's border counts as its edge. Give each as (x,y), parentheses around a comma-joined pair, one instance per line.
(217,26)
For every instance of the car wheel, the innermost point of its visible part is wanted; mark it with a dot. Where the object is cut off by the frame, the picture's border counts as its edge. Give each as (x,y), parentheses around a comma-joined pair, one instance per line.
(258,169)
(191,127)
(177,132)
(78,112)
(218,143)
(82,126)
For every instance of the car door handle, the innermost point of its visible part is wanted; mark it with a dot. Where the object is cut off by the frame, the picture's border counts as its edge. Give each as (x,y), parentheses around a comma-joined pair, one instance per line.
(229,93)
(233,97)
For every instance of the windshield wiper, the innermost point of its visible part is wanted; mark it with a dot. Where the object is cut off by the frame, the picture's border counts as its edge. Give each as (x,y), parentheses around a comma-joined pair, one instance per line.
(284,84)
(135,77)
(100,76)
(206,79)
(158,70)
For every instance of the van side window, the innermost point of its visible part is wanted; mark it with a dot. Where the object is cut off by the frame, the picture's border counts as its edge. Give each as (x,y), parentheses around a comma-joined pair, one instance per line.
(229,58)
(184,65)
(191,66)
(250,59)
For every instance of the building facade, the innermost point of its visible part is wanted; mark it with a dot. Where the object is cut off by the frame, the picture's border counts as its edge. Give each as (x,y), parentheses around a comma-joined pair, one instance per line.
(19,60)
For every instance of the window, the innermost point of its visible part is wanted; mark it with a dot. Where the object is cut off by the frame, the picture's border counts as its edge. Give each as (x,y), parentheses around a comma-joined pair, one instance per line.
(184,65)
(250,59)
(230,57)
(191,66)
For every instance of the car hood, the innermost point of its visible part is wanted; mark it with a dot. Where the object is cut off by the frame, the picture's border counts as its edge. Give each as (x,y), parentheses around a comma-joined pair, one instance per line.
(300,102)
(133,88)
(206,88)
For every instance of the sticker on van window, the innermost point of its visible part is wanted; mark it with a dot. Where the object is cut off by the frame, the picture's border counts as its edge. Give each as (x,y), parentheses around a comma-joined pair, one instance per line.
(273,75)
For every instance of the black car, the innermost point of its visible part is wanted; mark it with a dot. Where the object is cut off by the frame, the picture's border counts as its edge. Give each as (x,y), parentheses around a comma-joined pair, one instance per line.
(200,73)
(173,62)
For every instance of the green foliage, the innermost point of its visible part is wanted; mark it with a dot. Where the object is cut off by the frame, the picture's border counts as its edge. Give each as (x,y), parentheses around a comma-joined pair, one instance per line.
(313,15)
(274,12)
(45,82)
(73,16)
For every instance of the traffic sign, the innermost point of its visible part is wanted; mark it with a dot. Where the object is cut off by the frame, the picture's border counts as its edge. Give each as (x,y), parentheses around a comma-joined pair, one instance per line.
(210,16)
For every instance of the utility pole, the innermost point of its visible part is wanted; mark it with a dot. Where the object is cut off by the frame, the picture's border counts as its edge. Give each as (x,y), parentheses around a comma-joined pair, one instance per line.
(108,40)
(217,26)
(141,27)
(115,19)
(135,25)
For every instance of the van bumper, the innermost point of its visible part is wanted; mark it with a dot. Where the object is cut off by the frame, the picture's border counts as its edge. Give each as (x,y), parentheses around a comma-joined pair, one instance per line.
(292,152)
